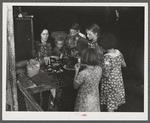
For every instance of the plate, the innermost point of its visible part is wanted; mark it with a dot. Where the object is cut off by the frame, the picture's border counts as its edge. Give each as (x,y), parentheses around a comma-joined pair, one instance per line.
(56,64)
(68,68)
(55,57)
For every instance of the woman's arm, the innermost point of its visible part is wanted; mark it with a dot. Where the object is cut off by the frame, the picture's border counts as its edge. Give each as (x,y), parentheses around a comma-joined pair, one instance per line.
(77,67)
(75,84)
(123,63)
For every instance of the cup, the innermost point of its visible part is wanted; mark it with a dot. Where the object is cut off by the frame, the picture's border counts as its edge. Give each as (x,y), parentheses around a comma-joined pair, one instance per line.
(46,60)
(79,60)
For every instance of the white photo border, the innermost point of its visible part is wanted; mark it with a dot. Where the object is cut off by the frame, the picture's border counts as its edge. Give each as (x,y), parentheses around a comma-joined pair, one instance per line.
(117,116)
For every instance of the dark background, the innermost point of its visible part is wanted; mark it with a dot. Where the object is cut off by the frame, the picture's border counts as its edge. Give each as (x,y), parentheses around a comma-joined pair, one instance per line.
(72,1)
(129,29)
(61,18)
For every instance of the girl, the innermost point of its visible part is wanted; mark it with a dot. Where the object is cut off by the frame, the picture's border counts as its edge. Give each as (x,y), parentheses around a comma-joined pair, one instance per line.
(93,34)
(71,50)
(112,86)
(59,47)
(88,82)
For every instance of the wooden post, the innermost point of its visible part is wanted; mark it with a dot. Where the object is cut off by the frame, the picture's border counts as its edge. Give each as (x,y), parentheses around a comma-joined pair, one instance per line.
(11,47)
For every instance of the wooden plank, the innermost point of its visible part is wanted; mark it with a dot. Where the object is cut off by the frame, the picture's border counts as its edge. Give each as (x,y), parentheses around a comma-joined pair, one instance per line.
(39,89)
(29,98)
(11,53)
(31,87)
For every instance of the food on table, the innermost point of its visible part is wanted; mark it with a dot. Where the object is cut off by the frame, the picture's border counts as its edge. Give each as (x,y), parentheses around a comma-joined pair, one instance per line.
(56,64)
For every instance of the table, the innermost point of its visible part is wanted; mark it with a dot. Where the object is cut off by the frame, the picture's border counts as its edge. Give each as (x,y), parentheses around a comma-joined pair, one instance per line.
(40,83)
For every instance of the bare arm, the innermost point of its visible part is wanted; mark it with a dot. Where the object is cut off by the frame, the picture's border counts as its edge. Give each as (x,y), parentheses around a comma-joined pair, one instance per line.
(76,85)
(123,64)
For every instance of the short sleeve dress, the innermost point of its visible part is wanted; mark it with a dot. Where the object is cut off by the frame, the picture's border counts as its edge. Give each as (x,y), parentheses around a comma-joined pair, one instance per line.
(112,88)
(88,94)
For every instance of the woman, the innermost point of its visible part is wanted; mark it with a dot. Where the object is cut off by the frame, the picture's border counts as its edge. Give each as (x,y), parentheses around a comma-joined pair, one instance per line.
(93,33)
(43,51)
(43,48)
(75,30)
(112,86)
(88,82)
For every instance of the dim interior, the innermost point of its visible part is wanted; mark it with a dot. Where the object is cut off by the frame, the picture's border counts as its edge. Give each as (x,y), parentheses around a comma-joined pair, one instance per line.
(128,29)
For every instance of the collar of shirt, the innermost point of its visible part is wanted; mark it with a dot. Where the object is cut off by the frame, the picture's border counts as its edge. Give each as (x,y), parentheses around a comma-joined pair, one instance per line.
(92,43)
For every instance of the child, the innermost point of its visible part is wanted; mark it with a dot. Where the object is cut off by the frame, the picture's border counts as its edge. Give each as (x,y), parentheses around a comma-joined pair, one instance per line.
(59,47)
(88,82)
(71,43)
(93,35)
(112,86)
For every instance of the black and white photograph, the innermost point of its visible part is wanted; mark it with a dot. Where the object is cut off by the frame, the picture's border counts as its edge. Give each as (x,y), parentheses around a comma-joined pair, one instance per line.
(75,61)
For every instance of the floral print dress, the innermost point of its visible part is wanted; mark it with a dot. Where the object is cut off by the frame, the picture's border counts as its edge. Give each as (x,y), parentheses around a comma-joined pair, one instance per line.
(88,94)
(112,88)
(43,50)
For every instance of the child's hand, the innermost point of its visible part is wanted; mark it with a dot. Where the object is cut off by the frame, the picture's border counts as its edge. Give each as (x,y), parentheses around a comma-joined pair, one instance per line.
(77,66)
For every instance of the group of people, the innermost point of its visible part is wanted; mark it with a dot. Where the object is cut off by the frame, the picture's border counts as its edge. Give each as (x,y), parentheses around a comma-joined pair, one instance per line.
(101,81)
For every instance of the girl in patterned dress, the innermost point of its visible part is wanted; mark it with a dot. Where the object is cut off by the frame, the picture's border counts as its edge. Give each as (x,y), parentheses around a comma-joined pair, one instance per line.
(87,81)
(112,86)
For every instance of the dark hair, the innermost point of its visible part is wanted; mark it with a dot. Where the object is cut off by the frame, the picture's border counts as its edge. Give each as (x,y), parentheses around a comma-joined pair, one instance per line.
(90,56)
(75,26)
(40,31)
(94,28)
(107,41)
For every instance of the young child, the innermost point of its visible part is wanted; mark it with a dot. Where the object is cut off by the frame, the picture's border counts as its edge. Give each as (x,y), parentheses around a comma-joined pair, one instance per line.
(59,47)
(71,43)
(87,81)
(112,86)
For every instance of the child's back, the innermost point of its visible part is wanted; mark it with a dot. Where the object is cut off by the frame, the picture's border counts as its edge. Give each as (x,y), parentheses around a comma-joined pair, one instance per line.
(112,87)
(88,94)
